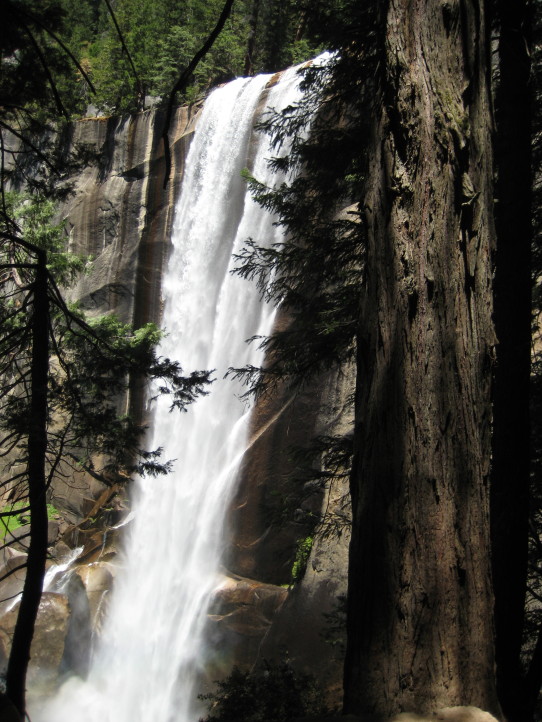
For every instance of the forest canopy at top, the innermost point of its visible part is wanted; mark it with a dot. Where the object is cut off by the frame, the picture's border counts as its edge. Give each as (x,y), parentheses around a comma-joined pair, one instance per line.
(161,37)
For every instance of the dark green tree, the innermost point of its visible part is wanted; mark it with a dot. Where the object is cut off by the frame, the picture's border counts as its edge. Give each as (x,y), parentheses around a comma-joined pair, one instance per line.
(162,38)
(279,35)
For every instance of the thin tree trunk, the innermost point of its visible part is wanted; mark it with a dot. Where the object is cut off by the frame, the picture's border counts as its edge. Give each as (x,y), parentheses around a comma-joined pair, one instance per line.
(37,446)
(511,446)
(249,57)
(420,610)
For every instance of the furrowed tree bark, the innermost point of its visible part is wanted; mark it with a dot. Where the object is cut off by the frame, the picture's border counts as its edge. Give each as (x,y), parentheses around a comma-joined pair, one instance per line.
(510,477)
(420,606)
(37,447)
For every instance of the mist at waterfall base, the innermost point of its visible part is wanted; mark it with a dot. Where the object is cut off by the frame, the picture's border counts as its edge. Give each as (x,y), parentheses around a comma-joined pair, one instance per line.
(152,647)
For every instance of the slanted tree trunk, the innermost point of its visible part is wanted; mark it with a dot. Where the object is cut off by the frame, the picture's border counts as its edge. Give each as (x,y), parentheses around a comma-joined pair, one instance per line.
(511,429)
(37,448)
(420,607)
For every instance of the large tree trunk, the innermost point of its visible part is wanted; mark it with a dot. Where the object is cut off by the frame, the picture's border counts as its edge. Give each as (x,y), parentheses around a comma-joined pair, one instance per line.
(420,609)
(37,449)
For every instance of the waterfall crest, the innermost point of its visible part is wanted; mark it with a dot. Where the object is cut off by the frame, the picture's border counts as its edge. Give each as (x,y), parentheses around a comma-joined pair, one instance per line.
(152,645)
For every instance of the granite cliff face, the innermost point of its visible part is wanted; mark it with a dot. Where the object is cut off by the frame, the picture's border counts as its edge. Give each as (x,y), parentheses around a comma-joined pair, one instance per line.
(120,215)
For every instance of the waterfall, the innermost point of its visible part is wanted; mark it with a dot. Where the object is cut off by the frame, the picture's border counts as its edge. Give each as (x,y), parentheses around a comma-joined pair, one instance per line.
(153,643)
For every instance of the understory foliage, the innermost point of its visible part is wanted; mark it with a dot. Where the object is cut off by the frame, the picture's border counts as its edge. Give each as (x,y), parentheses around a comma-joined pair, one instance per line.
(270,693)
(304,547)
(17,519)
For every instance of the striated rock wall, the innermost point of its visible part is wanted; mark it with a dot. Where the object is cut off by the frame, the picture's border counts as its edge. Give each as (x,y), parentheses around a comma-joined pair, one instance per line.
(120,214)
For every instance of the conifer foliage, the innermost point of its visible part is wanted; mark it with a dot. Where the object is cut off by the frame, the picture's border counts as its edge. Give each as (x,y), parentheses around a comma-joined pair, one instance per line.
(316,273)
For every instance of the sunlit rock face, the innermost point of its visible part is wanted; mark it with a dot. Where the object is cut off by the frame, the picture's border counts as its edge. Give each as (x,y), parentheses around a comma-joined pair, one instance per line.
(241,615)
(97,578)
(119,213)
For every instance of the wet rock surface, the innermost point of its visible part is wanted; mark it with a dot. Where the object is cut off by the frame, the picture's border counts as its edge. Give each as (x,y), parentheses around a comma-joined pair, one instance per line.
(241,614)
(97,579)
(49,639)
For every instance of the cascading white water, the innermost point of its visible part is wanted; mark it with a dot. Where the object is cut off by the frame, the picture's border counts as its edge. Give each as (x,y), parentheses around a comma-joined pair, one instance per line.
(153,641)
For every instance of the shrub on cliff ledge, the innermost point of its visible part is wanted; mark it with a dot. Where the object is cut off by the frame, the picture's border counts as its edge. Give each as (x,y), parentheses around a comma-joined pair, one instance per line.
(272,693)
